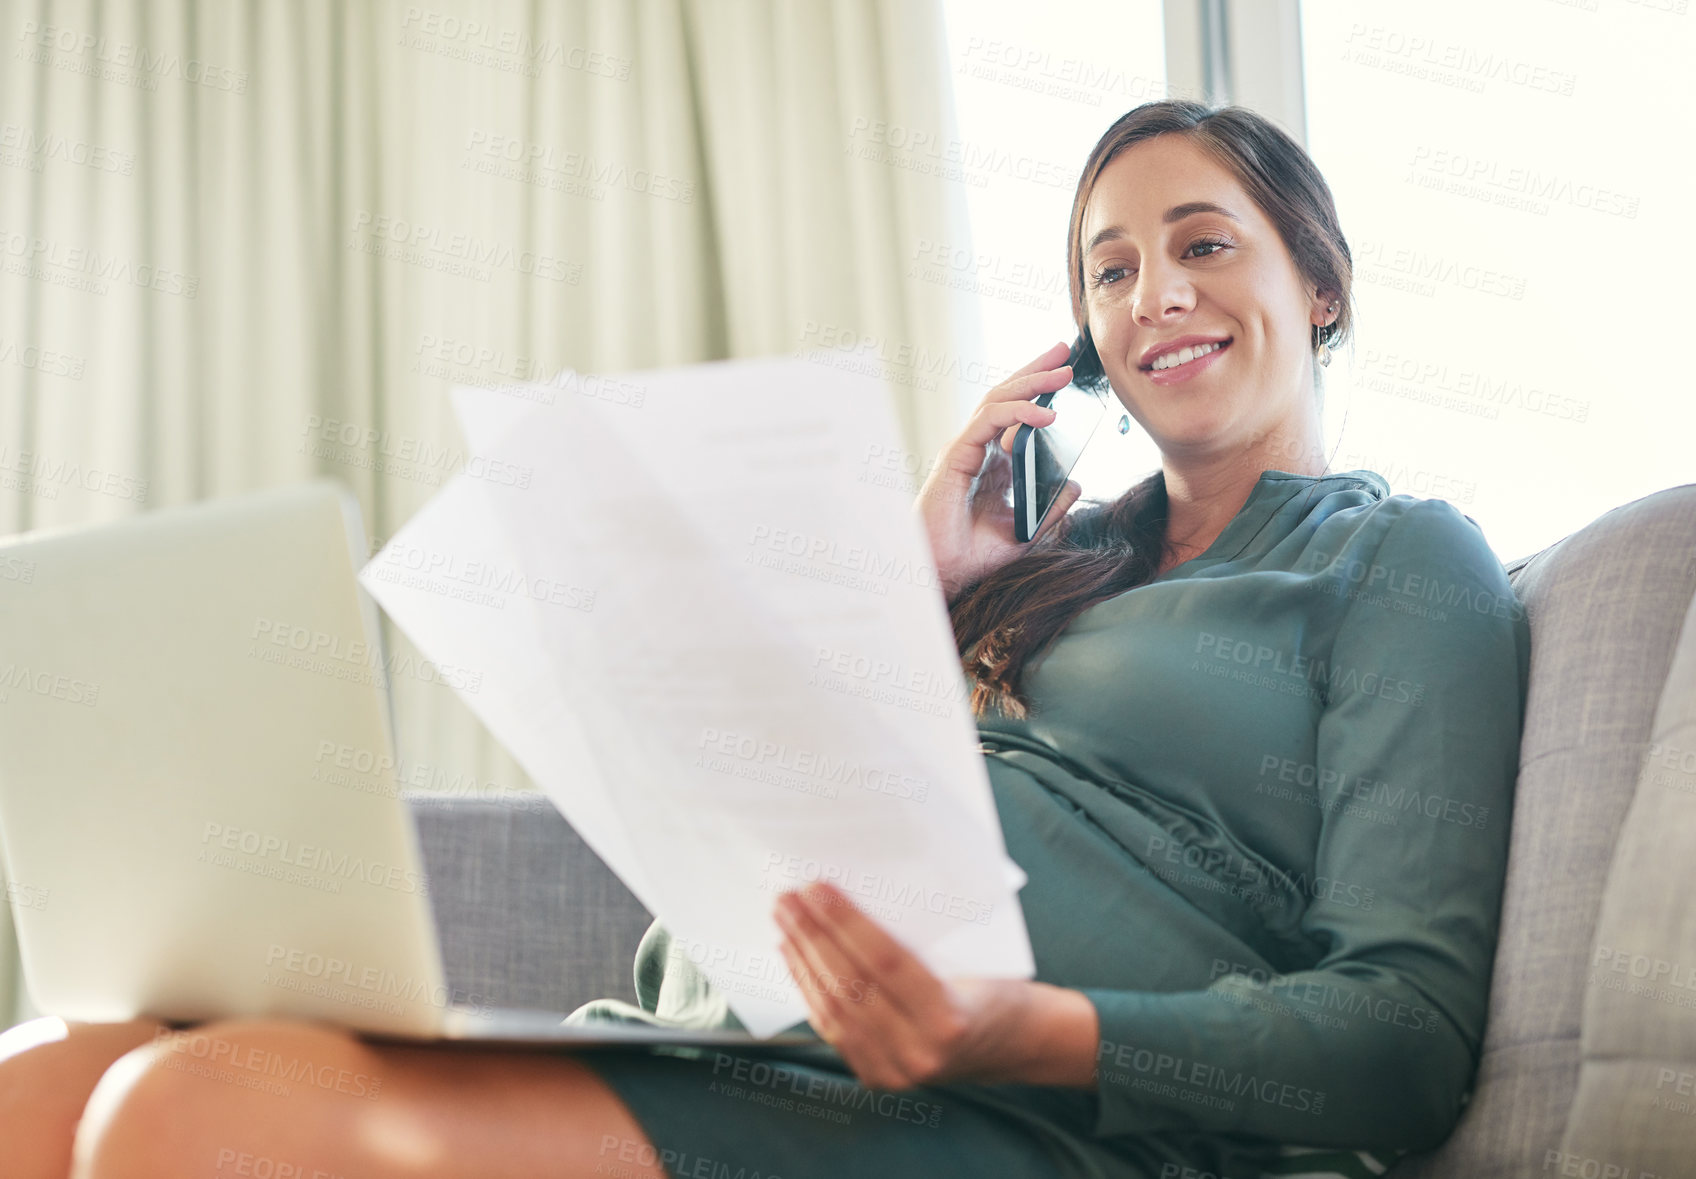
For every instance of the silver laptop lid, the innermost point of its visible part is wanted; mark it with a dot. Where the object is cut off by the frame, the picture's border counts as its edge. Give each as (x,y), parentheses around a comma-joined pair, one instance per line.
(197,807)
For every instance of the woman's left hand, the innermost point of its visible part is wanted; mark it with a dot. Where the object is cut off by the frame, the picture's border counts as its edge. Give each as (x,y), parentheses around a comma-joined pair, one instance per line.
(895,1023)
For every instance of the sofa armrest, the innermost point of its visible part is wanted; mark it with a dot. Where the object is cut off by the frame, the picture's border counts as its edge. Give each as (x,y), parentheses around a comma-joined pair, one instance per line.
(526,914)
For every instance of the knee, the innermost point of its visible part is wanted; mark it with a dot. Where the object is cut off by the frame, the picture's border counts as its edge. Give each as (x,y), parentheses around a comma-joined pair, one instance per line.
(171,1106)
(47,1069)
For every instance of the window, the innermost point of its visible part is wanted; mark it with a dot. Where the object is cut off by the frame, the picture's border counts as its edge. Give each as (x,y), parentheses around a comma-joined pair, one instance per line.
(1513,180)
(1035,86)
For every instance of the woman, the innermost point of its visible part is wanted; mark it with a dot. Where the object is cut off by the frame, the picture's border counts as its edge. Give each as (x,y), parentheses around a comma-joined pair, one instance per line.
(1252,732)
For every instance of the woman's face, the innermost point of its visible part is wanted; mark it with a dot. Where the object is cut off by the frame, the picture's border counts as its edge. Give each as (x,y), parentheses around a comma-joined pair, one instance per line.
(1157,269)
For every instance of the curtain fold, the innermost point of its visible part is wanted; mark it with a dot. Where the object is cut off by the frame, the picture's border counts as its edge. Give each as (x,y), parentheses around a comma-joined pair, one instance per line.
(251,243)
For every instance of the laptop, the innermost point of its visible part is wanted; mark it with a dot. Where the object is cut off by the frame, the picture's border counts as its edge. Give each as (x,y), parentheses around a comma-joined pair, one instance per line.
(174,845)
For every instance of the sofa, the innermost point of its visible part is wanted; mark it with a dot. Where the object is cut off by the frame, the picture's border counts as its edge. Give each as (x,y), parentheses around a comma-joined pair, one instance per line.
(1589,1057)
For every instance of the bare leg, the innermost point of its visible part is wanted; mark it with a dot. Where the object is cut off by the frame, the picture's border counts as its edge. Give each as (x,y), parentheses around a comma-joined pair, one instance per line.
(253,1096)
(48,1067)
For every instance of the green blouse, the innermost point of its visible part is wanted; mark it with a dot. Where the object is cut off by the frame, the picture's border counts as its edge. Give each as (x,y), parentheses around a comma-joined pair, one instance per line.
(1263,804)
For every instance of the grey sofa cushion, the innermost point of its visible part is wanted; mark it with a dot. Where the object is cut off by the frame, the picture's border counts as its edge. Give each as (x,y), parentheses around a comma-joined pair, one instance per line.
(1606,607)
(1635,1111)
(527,914)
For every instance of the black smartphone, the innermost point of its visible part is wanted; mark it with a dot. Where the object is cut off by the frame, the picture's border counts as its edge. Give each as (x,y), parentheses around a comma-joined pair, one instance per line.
(1043,456)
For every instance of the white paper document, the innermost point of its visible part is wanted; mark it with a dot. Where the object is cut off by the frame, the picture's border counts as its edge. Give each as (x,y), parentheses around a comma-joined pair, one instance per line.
(707,624)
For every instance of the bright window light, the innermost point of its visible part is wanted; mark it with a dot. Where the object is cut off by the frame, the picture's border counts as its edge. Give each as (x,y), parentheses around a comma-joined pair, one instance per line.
(1035,86)
(1515,184)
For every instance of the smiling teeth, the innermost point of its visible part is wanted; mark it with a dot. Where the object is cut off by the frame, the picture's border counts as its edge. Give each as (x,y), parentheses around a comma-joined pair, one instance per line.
(1184,356)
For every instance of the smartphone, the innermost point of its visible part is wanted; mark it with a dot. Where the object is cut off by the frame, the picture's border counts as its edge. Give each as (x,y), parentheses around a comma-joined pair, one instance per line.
(1043,456)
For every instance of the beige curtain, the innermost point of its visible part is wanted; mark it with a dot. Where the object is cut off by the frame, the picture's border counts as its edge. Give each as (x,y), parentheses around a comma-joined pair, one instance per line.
(249,243)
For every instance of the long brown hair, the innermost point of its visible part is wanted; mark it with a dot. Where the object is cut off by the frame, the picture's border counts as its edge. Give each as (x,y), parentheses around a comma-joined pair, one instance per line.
(1012,614)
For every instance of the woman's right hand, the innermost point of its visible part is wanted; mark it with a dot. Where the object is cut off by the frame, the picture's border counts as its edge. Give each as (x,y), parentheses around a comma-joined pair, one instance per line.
(963,503)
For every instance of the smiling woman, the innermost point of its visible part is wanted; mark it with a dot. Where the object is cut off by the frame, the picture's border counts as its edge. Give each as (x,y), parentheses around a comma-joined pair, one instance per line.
(1189,225)
(1260,950)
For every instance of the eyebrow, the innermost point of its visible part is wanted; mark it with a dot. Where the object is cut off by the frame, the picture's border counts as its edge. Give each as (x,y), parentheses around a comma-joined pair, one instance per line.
(1175,213)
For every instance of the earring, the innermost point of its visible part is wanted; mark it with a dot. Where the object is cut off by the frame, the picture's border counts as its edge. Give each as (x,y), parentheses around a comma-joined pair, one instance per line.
(1325,345)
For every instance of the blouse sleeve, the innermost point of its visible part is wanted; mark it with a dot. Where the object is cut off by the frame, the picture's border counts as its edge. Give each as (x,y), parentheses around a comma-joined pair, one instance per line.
(1375,1045)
